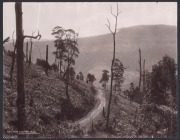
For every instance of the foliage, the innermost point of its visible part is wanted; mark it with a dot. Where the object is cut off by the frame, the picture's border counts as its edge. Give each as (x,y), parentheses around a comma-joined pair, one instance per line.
(91,78)
(81,76)
(118,71)
(164,82)
(157,118)
(54,67)
(105,78)
(43,64)
(59,43)
(72,73)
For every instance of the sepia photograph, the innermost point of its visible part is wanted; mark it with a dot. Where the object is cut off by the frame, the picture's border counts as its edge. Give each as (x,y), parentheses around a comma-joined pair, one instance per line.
(90,70)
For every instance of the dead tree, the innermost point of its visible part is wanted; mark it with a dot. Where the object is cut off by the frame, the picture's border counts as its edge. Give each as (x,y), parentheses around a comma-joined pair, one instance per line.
(13,60)
(140,70)
(46,70)
(140,75)
(144,77)
(47,53)
(20,102)
(27,51)
(30,52)
(114,43)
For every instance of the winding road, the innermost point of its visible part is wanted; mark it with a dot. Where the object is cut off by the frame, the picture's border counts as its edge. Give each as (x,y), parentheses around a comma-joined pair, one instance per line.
(95,113)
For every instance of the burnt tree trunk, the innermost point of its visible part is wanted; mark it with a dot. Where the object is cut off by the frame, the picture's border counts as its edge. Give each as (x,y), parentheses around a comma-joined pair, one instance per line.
(12,65)
(144,78)
(30,52)
(20,102)
(60,67)
(140,75)
(46,69)
(112,76)
(27,51)
(47,53)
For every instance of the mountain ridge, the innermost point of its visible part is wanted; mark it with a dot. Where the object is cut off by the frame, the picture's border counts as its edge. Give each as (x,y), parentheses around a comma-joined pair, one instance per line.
(155,41)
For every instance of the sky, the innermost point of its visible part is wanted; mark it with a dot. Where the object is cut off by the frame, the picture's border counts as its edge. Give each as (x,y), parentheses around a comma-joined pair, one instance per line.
(87,18)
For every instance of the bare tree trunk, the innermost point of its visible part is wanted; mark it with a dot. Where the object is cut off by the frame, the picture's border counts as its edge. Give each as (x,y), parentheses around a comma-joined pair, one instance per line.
(140,70)
(112,64)
(60,67)
(12,65)
(30,54)
(46,70)
(20,69)
(112,75)
(27,51)
(47,53)
(140,75)
(144,79)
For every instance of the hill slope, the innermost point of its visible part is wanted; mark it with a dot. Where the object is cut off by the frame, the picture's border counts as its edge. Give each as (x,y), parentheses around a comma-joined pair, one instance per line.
(44,99)
(96,52)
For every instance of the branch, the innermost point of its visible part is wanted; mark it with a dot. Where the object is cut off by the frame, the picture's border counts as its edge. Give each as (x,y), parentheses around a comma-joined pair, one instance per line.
(112,12)
(109,26)
(6,40)
(13,39)
(118,12)
(33,37)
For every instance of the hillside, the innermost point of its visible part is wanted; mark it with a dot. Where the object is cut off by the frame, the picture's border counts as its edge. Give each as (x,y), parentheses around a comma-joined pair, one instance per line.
(96,52)
(45,98)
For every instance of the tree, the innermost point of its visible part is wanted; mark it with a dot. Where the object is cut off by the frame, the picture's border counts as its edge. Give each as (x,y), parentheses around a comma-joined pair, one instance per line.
(47,53)
(105,78)
(27,51)
(118,79)
(71,54)
(114,42)
(66,43)
(30,52)
(54,67)
(59,43)
(45,65)
(164,82)
(72,73)
(91,78)
(81,76)
(131,89)
(140,75)
(20,102)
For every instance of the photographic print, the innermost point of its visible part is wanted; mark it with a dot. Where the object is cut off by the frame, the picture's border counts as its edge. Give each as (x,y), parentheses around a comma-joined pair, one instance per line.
(90,70)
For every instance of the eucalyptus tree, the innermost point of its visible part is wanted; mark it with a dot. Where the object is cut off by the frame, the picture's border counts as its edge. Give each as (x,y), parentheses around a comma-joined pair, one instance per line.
(59,43)
(66,44)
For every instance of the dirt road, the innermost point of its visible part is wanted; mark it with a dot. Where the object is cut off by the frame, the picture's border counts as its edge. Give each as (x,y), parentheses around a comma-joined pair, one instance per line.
(95,113)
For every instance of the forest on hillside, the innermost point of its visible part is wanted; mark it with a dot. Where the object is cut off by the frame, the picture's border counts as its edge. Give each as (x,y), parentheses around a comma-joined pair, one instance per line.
(73,92)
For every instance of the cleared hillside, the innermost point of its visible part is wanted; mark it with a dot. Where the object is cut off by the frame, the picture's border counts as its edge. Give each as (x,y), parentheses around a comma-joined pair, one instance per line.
(44,97)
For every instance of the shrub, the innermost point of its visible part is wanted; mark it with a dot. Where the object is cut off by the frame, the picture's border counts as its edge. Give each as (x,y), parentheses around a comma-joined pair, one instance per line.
(43,64)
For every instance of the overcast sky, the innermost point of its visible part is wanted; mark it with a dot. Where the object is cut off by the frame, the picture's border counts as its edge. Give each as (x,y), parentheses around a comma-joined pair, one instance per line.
(89,17)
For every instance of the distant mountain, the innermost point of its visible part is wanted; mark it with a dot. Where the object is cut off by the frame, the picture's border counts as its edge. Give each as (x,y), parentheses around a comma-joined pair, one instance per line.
(96,52)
